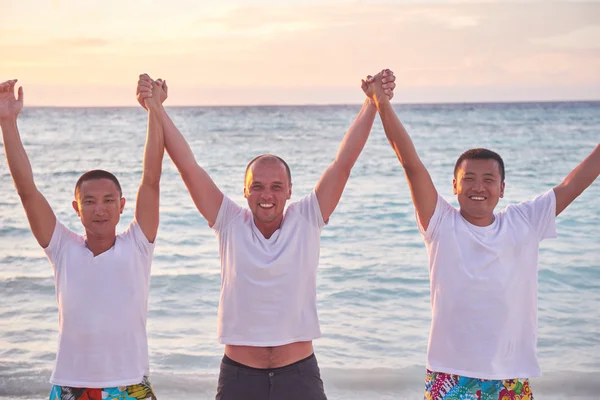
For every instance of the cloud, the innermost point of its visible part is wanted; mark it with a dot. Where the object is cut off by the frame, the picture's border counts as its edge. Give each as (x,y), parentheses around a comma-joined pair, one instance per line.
(254,20)
(587,38)
(82,42)
(301,48)
(451,18)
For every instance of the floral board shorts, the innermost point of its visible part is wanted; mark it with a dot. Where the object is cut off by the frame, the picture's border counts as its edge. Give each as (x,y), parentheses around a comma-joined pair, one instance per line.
(141,391)
(441,386)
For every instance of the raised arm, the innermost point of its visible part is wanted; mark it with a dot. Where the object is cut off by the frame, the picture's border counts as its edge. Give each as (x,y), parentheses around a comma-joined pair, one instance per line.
(39,213)
(578,180)
(330,187)
(147,203)
(206,195)
(423,192)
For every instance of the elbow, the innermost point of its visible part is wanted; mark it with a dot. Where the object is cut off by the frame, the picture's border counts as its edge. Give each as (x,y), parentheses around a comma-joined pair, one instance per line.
(25,196)
(151,179)
(188,170)
(411,166)
(26,192)
(343,168)
(408,168)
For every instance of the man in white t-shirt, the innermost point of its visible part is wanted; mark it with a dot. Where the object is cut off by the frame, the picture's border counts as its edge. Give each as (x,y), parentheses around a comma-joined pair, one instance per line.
(267,316)
(483,268)
(102,279)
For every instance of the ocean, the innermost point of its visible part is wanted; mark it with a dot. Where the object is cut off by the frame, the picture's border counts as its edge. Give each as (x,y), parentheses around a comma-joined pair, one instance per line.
(373,288)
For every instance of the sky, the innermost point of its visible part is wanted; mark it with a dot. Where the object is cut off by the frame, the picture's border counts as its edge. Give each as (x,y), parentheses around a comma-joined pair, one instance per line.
(234,52)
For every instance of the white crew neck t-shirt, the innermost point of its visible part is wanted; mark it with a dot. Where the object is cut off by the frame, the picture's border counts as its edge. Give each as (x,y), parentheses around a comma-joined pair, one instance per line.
(268,286)
(102,308)
(484,288)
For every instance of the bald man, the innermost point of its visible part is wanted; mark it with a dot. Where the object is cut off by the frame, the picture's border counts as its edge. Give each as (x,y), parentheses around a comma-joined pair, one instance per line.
(267,315)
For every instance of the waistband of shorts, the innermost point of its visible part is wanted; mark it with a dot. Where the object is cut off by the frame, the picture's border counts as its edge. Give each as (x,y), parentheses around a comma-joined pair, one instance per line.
(233,363)
(431,373)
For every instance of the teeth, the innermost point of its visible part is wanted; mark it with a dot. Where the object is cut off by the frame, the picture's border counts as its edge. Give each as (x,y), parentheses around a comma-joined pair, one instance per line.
(478,198)
(266,205)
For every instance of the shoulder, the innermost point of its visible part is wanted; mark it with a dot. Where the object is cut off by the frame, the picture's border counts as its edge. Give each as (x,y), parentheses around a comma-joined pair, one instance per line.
(64,235)
(63,240)
(525,208)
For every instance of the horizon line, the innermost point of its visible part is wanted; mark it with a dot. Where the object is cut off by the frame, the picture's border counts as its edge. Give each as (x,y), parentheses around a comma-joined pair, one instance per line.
(421,103)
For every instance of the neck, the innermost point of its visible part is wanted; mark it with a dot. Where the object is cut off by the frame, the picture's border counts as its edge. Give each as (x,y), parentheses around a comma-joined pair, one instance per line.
(99,244)
(268,228)
(478,220)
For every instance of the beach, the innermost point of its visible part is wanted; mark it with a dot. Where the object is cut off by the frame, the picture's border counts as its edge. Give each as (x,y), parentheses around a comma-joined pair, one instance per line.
(373,287)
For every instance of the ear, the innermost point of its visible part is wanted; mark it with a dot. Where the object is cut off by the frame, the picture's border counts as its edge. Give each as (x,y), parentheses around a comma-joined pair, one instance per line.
(289,196)
(246,193)
(454,190)
(122,204)
(76,208)
(502,186)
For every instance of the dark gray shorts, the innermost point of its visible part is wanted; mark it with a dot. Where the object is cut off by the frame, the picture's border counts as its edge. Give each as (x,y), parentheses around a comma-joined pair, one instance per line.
(298,381)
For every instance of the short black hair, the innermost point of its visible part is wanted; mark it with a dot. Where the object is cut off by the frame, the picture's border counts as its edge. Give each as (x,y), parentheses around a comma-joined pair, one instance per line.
(94,175)
(271,156)
(480,154)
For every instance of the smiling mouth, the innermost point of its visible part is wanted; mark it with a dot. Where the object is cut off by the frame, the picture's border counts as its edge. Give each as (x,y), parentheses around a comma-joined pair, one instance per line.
(266,205)
(477,198)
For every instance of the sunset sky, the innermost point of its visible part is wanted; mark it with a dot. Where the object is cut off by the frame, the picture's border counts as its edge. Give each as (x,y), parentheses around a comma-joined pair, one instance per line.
(226,52)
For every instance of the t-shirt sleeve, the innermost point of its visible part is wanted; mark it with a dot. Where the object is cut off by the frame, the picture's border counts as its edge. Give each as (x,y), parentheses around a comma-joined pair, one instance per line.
(134,233)
(442,208)
(228,211)
(61,236)
(309,208)
(541,214)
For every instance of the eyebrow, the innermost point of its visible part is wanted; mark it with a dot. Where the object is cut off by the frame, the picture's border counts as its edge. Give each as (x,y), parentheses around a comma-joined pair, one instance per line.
(485,174)
(259,182)
(89,196)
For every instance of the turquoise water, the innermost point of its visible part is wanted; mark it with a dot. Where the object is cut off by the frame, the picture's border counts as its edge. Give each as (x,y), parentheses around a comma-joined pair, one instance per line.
(373,291)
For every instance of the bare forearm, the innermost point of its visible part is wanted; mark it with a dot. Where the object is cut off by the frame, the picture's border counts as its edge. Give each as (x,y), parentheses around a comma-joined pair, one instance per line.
(584,174)
(421,186)
(331,185)
(356,137)
(154,149)
(16,157)
(176,145)
(398,137)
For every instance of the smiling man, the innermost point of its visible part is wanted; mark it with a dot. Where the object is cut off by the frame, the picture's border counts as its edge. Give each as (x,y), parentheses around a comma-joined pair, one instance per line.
(102,279)
(267,316)
(483,268)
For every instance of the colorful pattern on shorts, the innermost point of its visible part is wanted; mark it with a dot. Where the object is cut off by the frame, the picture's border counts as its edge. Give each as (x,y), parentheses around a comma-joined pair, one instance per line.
(441,386)
(141,391)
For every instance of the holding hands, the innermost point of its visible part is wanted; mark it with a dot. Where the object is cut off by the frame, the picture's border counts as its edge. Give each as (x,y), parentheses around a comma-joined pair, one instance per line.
(379,87)
(10,106)
(150,93)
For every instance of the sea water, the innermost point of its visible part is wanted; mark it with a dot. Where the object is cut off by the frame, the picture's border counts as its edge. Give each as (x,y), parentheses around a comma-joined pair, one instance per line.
(373,288)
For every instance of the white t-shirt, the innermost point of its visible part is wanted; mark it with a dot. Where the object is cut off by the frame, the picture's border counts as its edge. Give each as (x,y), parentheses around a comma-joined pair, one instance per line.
(268,286)
(484,289)
(102,306)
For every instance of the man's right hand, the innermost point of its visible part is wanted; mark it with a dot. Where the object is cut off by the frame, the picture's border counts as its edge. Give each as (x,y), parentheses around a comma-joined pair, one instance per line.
(10,106)
(145,90)
(380,87)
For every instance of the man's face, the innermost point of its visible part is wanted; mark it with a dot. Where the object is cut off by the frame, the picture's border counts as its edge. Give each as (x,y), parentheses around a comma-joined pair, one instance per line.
(99,205)
(478,186)
(267,190)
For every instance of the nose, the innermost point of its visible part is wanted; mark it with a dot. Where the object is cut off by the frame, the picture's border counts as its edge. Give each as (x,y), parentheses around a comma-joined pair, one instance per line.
(267,196)
(100,209)
(267,193)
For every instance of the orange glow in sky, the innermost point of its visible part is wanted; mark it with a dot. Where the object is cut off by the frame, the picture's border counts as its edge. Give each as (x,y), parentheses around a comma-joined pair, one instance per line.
(68,52)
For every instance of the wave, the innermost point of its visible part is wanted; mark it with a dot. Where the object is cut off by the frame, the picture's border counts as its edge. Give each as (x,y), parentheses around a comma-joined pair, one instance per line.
(27,284)
(352,384)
